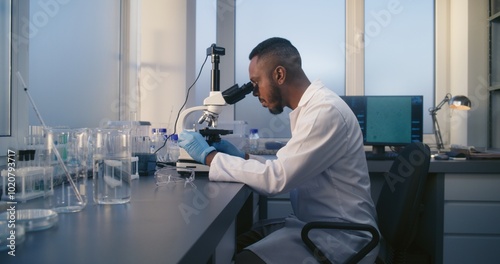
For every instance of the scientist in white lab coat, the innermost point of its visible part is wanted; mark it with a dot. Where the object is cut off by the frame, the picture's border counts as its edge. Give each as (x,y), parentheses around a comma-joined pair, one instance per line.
(323,165)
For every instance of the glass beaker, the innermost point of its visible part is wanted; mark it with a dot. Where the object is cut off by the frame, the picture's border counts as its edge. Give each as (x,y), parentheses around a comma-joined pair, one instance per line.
(111,165)
(72,146)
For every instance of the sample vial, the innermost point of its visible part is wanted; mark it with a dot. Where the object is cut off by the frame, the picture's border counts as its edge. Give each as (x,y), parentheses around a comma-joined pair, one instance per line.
(161,147)
(173,148)
(153,140)
(253,140)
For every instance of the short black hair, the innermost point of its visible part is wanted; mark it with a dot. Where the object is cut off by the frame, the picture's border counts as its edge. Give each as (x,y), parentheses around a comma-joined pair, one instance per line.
(280,48)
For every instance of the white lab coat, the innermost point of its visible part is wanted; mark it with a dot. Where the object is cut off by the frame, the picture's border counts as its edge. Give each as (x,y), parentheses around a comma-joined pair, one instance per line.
(324,168)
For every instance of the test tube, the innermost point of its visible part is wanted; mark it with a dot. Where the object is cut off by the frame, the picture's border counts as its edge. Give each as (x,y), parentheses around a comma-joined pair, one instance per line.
(20,159)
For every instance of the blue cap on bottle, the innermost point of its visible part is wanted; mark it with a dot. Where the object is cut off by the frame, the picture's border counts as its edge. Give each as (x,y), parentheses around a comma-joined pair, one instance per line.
(254,131)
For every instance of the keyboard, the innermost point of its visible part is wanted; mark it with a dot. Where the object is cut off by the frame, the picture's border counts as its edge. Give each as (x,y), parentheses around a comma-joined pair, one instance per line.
(388,155)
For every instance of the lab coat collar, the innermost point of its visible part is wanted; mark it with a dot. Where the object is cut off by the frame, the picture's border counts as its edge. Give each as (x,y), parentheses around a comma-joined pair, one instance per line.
(306,97)
(308,94)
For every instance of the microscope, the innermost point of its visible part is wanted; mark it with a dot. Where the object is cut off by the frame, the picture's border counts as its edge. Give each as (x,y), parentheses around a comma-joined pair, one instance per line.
(212,107)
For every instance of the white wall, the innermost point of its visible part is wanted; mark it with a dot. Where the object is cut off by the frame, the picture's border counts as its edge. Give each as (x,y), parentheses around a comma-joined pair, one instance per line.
(463,26)
(477,85)
(167,59)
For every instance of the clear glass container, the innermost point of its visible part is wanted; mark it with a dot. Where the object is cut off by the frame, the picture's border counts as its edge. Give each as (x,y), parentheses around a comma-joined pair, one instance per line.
(112,166)
(32,219)
(70,176)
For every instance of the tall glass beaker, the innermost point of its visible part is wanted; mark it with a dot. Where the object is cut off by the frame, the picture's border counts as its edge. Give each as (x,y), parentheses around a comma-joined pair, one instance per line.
(111,165)
(72,146)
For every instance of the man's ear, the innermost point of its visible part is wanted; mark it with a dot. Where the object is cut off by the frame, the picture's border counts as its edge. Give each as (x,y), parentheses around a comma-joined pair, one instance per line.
(280,74)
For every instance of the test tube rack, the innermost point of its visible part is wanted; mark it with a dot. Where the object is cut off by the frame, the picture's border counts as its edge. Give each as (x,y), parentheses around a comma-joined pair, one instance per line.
(30,183)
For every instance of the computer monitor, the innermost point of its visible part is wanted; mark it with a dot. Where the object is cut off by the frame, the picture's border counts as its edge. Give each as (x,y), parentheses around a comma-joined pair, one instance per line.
(388,120)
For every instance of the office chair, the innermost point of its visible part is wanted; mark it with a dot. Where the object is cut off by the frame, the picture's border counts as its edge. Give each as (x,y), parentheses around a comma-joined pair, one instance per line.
(398,208)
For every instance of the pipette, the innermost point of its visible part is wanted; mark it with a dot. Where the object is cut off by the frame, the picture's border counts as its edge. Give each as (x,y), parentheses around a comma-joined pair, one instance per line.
(56,152)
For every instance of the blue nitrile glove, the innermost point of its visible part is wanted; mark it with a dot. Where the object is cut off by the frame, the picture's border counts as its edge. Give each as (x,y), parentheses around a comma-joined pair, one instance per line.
(225,146)
(195,145)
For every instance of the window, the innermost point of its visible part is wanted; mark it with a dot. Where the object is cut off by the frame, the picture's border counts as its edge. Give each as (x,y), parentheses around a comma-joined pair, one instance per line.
(63,35)
(81,40)
(399,50)
(317,31)
(13,43)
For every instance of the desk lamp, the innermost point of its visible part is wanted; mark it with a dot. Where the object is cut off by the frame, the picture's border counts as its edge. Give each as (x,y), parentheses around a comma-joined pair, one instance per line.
(459,102)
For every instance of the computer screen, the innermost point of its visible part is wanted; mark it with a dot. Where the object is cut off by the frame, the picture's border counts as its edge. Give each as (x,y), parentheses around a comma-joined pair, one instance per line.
(388,120)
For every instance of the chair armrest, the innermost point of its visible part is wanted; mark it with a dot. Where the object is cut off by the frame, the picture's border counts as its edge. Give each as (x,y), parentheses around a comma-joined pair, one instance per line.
(345,226)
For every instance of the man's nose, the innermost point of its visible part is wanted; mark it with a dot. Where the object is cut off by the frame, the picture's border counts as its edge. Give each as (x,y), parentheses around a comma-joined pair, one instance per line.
(255,91)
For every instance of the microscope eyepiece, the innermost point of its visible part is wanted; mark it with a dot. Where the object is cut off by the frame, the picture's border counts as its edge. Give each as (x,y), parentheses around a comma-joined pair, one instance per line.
(234,94)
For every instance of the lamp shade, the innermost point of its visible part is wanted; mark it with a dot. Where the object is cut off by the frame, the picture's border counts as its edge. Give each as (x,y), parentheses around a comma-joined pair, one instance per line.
(460,102)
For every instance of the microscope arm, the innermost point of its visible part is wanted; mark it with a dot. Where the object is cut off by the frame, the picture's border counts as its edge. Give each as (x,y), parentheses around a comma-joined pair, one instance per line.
(211,110)
(215,99)
(184,114)
(214,104)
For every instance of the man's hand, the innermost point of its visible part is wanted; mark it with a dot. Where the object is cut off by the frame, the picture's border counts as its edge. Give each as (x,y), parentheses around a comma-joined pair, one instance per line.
(225,146)
(195,145)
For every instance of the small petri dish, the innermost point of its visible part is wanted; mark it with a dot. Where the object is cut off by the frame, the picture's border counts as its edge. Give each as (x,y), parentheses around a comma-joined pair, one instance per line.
(170,175)
(10,235)
(33,219)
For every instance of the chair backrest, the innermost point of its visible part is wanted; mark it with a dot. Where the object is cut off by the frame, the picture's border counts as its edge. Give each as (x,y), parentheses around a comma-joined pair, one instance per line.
(400,200)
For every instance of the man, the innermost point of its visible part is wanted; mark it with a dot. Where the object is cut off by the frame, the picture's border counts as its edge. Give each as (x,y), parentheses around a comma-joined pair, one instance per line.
(323,165)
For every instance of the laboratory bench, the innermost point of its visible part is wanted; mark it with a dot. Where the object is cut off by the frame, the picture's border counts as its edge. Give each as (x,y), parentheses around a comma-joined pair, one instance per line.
(168,224)
(198,225)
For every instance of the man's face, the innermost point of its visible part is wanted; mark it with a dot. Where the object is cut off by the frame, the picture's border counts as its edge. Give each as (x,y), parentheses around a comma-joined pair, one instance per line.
(265,88)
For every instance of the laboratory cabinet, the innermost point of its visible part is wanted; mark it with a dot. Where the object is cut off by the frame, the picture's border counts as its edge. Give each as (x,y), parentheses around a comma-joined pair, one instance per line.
(471,230)
(459,223)
(278,206)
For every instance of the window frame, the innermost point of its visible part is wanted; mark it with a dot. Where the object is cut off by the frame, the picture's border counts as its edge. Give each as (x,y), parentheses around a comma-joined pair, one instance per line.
(19,63)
